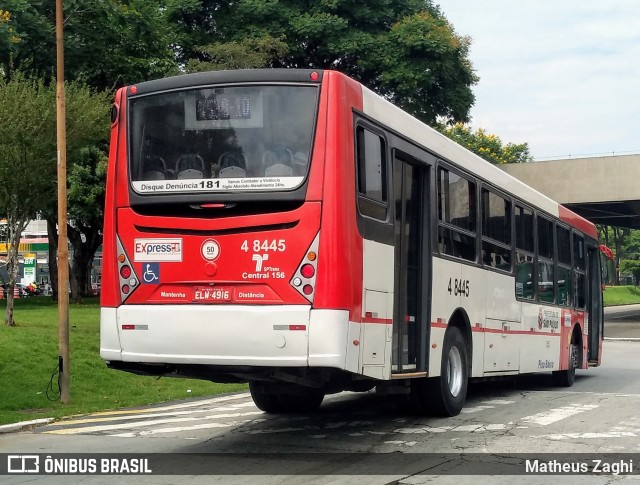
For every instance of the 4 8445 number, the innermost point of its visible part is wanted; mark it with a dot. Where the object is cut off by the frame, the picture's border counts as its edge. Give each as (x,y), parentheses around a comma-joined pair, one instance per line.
(458,287)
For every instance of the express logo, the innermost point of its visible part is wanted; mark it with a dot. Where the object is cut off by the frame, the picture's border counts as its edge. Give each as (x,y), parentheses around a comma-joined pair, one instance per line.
(157,250)
(210,250)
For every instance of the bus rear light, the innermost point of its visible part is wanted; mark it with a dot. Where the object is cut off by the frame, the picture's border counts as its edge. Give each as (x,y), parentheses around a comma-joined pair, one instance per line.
(304,279)
(213,206)
(307,271)
(127,276)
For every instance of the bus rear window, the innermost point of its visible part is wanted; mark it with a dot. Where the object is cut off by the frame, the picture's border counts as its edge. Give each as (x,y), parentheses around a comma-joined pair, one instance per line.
(221,139)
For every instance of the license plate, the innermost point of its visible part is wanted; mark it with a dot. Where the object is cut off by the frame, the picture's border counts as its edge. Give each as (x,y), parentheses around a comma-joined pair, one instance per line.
(213,293)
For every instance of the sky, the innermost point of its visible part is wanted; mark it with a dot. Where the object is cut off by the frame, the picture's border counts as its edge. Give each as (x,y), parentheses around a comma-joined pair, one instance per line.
(560,75)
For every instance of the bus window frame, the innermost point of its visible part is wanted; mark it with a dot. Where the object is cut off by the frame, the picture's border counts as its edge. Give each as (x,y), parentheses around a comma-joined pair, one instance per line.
(533,254)
(442,224)
(564,266)
(362,200)
(484,187)
(544,259)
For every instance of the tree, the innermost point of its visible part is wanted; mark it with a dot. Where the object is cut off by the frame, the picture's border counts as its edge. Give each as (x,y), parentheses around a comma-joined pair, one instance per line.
(27,162)
(404,50)
(486,145)
(131,39)
(87,178)
(28,151)
(627,252)
(27,38)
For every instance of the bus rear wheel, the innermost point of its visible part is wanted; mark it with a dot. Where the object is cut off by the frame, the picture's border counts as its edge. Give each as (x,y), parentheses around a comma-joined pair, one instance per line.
(276,398)
(445,395)
(566,378)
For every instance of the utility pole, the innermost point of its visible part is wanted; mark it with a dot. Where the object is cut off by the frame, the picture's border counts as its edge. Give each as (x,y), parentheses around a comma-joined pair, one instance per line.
(63,244)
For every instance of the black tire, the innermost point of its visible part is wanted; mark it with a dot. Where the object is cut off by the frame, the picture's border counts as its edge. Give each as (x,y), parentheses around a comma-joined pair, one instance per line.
(273,398)
(265,401)
(566,378)
(445,395)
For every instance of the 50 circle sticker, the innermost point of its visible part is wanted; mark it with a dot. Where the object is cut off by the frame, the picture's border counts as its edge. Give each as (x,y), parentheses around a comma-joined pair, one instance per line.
(210,250)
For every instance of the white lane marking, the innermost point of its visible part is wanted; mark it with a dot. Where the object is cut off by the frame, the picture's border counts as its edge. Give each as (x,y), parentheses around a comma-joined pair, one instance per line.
(405,443)
(552,415)
(572,436)
(179,429)
(476,409)
(484,405)
(194,404)
(424,429)
(467,428)
(129,417)
(151,422)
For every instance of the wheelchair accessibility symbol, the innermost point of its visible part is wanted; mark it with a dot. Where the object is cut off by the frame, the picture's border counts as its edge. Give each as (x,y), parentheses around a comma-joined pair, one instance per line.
(151,273)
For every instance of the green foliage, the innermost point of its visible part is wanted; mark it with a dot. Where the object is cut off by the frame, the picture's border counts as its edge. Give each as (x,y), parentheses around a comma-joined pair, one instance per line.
(30,355)
(404,50)
(631,266)
(27,145)
(107,43)
(28,135)
(244,54)
(486,145)
(86,180)
(626,249)
(27,37)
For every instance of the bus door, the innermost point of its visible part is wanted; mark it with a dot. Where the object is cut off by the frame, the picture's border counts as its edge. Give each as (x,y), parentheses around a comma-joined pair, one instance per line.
(411,196)
(594,304)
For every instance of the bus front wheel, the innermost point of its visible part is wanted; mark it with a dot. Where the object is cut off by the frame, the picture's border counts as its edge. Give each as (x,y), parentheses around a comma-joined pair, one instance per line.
(445,395)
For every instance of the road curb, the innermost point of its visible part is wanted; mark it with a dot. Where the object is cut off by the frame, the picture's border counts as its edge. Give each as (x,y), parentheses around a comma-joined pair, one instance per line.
(10,428)
(623,339)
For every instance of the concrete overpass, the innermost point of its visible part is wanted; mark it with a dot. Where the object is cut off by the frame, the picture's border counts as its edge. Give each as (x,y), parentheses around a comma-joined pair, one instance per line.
(605,190)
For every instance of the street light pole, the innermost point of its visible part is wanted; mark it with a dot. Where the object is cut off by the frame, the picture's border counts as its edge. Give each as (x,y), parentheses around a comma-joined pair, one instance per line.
(63,245)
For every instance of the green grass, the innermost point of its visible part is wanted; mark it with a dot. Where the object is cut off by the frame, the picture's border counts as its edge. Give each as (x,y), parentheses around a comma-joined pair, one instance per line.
(29,355)
(621,295)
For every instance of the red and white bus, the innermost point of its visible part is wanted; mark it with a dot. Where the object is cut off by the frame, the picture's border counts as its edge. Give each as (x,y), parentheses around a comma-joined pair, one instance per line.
(294,230)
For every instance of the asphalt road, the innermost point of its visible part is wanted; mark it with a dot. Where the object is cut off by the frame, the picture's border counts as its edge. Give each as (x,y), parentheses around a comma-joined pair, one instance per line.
(622,321)
(365,438)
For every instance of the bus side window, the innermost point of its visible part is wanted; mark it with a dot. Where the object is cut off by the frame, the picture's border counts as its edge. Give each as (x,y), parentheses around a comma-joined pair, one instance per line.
(496,230)
(564,276)
(457,215)
(525,270)
(579,269)
(546,254)
(371,163)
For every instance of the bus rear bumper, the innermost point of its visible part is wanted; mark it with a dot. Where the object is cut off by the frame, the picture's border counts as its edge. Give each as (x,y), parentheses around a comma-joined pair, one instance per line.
(229,335)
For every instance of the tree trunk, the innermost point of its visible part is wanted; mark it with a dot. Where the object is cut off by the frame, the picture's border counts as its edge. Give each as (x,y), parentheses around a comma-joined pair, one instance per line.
(52,234)
(83,254)
(15,225)
(617,236)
